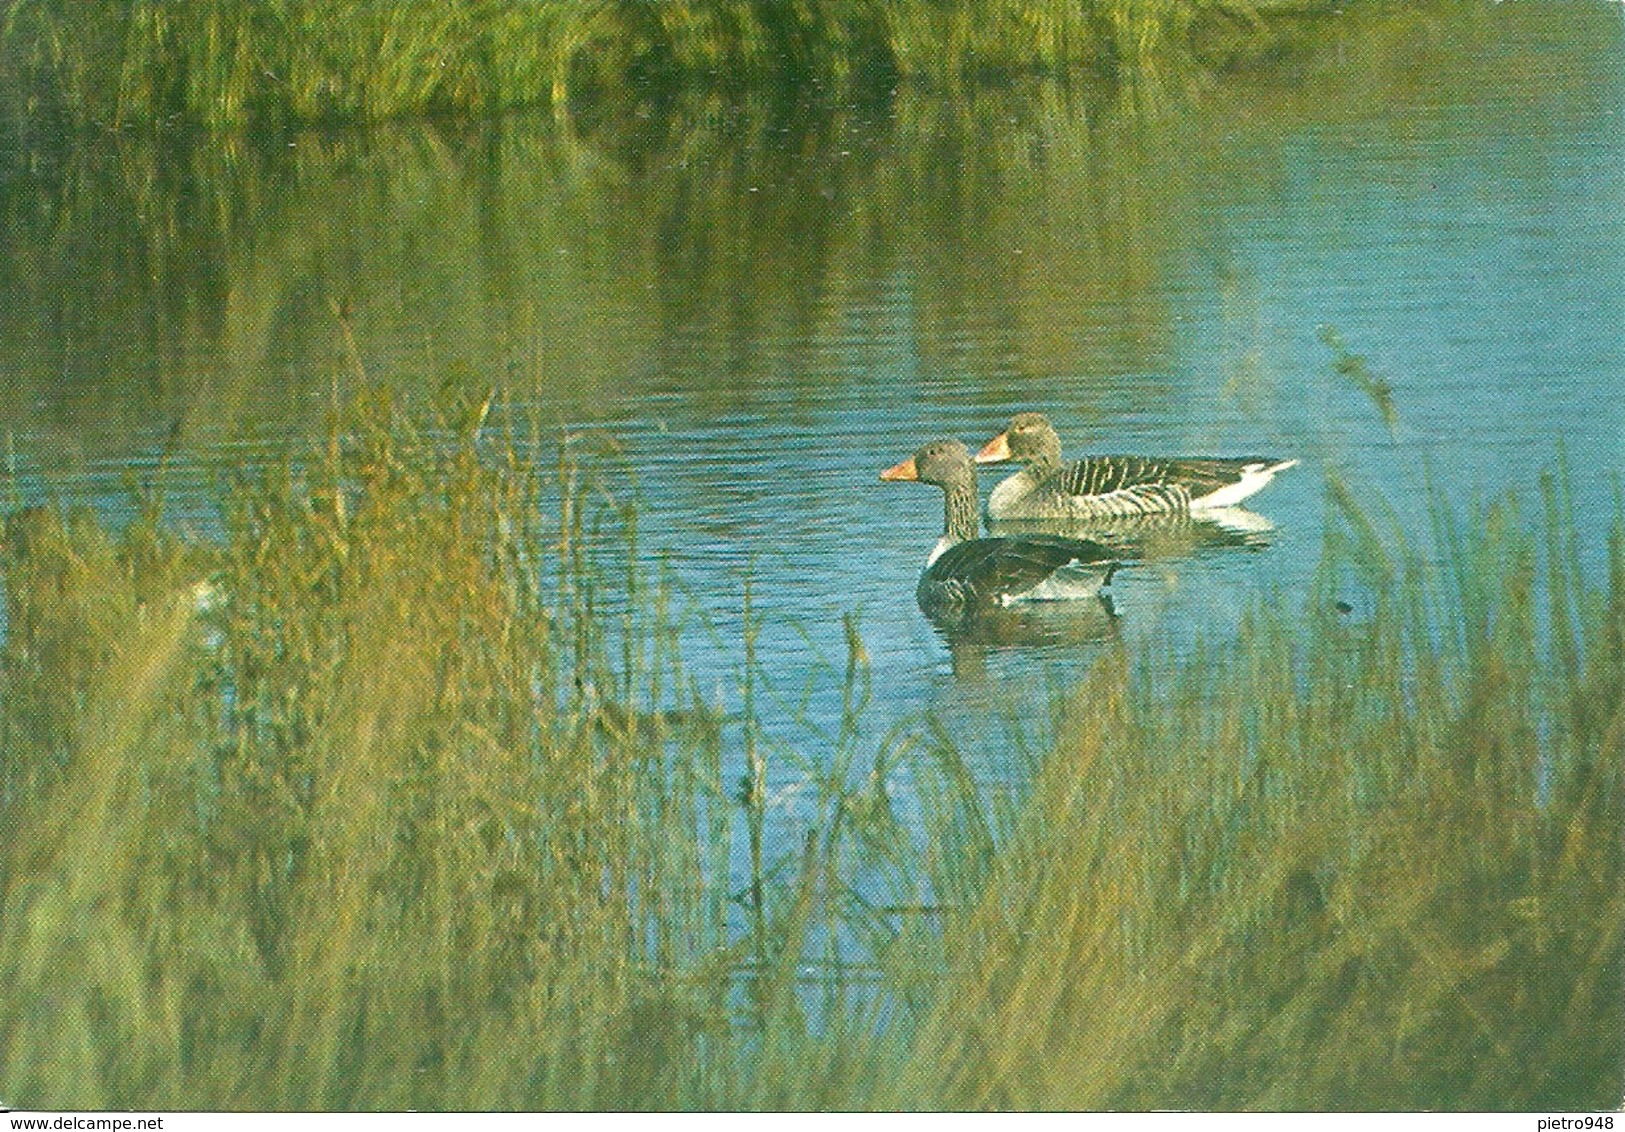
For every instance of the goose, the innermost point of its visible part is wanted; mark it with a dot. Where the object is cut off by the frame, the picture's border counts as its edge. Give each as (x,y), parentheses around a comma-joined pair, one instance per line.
(1100,488)
(965,572)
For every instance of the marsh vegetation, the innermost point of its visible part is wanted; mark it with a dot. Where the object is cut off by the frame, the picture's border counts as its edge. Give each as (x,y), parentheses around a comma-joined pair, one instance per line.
(397,793)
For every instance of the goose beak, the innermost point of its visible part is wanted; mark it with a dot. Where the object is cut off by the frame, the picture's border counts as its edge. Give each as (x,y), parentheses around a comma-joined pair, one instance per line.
(904,471)
(995,450)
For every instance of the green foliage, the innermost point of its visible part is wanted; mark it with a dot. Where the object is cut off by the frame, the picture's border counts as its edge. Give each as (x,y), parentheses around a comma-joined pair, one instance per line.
(222,64)
(398,795)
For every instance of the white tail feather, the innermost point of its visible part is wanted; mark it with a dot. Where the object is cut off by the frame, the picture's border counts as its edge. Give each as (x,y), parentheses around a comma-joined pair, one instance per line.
(1254,478)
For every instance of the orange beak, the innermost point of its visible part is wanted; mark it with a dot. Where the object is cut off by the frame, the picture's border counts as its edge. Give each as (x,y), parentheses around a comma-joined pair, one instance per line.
(904,471)
(995,450)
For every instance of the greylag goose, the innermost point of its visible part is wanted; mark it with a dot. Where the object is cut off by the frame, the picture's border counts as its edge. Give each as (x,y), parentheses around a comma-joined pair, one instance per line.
(965,572)
(1100,488)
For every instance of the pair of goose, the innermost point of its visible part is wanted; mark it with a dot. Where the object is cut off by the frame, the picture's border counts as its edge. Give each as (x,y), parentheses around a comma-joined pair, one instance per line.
(966,571)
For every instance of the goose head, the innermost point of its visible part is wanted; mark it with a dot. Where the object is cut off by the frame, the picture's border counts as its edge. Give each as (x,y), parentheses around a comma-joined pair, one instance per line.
(1028,439)
(945,463)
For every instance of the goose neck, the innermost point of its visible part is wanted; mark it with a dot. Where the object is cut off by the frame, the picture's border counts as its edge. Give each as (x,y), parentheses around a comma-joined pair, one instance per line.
(960,522)
(1047,453)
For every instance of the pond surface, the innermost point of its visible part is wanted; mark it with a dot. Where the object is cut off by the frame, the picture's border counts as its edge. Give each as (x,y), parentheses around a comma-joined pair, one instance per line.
(1396,255)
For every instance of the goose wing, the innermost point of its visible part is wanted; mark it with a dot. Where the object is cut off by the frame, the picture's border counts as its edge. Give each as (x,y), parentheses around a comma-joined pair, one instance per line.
(988,569)
(1200,475)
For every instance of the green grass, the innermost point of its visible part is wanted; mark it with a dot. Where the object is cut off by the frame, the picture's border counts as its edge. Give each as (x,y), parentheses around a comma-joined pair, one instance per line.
(397,794)
(224,64)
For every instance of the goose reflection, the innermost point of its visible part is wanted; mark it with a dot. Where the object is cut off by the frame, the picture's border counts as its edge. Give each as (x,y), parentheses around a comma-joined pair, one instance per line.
(971,635)
(1157,536)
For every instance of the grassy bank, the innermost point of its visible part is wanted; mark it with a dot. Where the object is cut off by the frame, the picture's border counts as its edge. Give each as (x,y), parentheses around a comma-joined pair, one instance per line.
(397,794)
(227,64)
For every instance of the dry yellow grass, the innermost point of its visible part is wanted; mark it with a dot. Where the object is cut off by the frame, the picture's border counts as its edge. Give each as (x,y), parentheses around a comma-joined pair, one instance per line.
(363,805)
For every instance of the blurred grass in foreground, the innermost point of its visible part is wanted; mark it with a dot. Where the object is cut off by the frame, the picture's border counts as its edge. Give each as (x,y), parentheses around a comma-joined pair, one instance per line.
(398,795)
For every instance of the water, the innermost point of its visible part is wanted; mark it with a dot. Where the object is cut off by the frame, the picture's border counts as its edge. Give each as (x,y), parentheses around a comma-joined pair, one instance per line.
(763,307)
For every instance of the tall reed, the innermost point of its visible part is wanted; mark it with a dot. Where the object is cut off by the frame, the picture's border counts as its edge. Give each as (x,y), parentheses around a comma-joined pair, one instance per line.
(305,817)
(396,793)
(1363,857)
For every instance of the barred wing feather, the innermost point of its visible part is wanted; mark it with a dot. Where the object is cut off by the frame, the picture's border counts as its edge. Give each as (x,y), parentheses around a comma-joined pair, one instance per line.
(1199,475)
(996,570)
